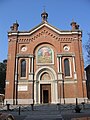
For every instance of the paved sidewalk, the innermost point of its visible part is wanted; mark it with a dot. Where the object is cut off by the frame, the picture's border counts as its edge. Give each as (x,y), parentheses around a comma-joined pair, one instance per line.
(50,115)
(83,118)
(38,115)
(48,112)
(68,115)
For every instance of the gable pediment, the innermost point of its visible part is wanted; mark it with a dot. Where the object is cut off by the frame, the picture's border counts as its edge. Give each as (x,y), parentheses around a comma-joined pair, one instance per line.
(40,26)
(48,26)
(43,29)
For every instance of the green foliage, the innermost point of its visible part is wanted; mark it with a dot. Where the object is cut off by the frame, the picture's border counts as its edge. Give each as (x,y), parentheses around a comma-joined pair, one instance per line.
(2,75)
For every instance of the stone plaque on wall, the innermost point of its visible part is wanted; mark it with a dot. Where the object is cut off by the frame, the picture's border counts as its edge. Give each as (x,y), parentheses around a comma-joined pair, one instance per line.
(22,88)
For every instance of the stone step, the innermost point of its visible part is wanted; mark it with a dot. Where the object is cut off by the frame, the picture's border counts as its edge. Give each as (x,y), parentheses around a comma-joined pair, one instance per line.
(44,117)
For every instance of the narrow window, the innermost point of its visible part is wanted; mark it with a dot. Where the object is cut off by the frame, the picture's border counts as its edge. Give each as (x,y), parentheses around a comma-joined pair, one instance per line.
(66,67)
(23,68)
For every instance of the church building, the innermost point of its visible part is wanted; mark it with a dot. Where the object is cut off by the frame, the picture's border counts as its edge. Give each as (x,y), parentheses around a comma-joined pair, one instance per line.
(45,65)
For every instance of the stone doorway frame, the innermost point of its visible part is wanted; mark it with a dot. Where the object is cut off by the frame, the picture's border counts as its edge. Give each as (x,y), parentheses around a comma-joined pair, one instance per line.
(52,82)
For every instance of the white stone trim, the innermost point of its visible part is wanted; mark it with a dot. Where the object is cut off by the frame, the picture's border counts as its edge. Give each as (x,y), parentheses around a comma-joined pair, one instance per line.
(69,81)
(70,68)
(74,67)
(29,65)
(7,82)
(16,69)
(8,101)
(84,81)
(72,100)
(45,67)
(19,101)
(46,82)
(73,64)
(47,25)
(22,88)
(25,101)
(52,82)
(58,64)
(32,65)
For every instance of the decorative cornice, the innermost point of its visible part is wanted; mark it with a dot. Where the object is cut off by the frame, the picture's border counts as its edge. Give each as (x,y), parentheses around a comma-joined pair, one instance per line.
(54,33)
(44,33)
(68,81)
(71,54)
(63,32)
(24,55)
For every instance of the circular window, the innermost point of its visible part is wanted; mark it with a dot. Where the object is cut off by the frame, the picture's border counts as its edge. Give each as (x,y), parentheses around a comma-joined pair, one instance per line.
(66,48)
(23,48)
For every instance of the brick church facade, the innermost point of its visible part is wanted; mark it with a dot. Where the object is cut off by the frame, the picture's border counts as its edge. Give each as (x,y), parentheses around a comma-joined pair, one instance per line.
(45,65)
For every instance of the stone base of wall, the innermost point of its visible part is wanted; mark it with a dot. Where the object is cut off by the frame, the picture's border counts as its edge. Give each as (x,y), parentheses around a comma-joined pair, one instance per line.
(61,100)
(19,101)
(72,100)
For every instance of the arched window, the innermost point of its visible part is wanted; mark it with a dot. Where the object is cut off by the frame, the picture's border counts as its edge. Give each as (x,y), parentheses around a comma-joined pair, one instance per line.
(23,68)
(66,67)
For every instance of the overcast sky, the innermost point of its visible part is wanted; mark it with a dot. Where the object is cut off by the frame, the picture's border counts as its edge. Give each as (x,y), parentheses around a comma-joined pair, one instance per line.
(28,15)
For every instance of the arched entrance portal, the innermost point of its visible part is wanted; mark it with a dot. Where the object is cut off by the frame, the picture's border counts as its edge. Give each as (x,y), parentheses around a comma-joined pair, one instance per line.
(45,86)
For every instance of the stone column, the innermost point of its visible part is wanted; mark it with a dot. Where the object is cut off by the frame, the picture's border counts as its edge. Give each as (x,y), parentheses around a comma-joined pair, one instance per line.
(56,91)
(35,92)
(59,66)
(16,83)
(39,93)
(16,69)
(31,67)
(74,68)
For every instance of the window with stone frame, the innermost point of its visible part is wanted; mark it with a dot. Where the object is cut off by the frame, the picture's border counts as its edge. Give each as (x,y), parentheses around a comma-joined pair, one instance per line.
(23,68)
(66,67)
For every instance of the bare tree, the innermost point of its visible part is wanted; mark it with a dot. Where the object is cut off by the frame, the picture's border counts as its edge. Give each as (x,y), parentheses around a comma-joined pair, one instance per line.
(87,47)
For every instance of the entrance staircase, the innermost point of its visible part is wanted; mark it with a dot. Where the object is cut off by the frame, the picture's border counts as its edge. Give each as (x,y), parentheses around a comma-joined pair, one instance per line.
(44,112)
